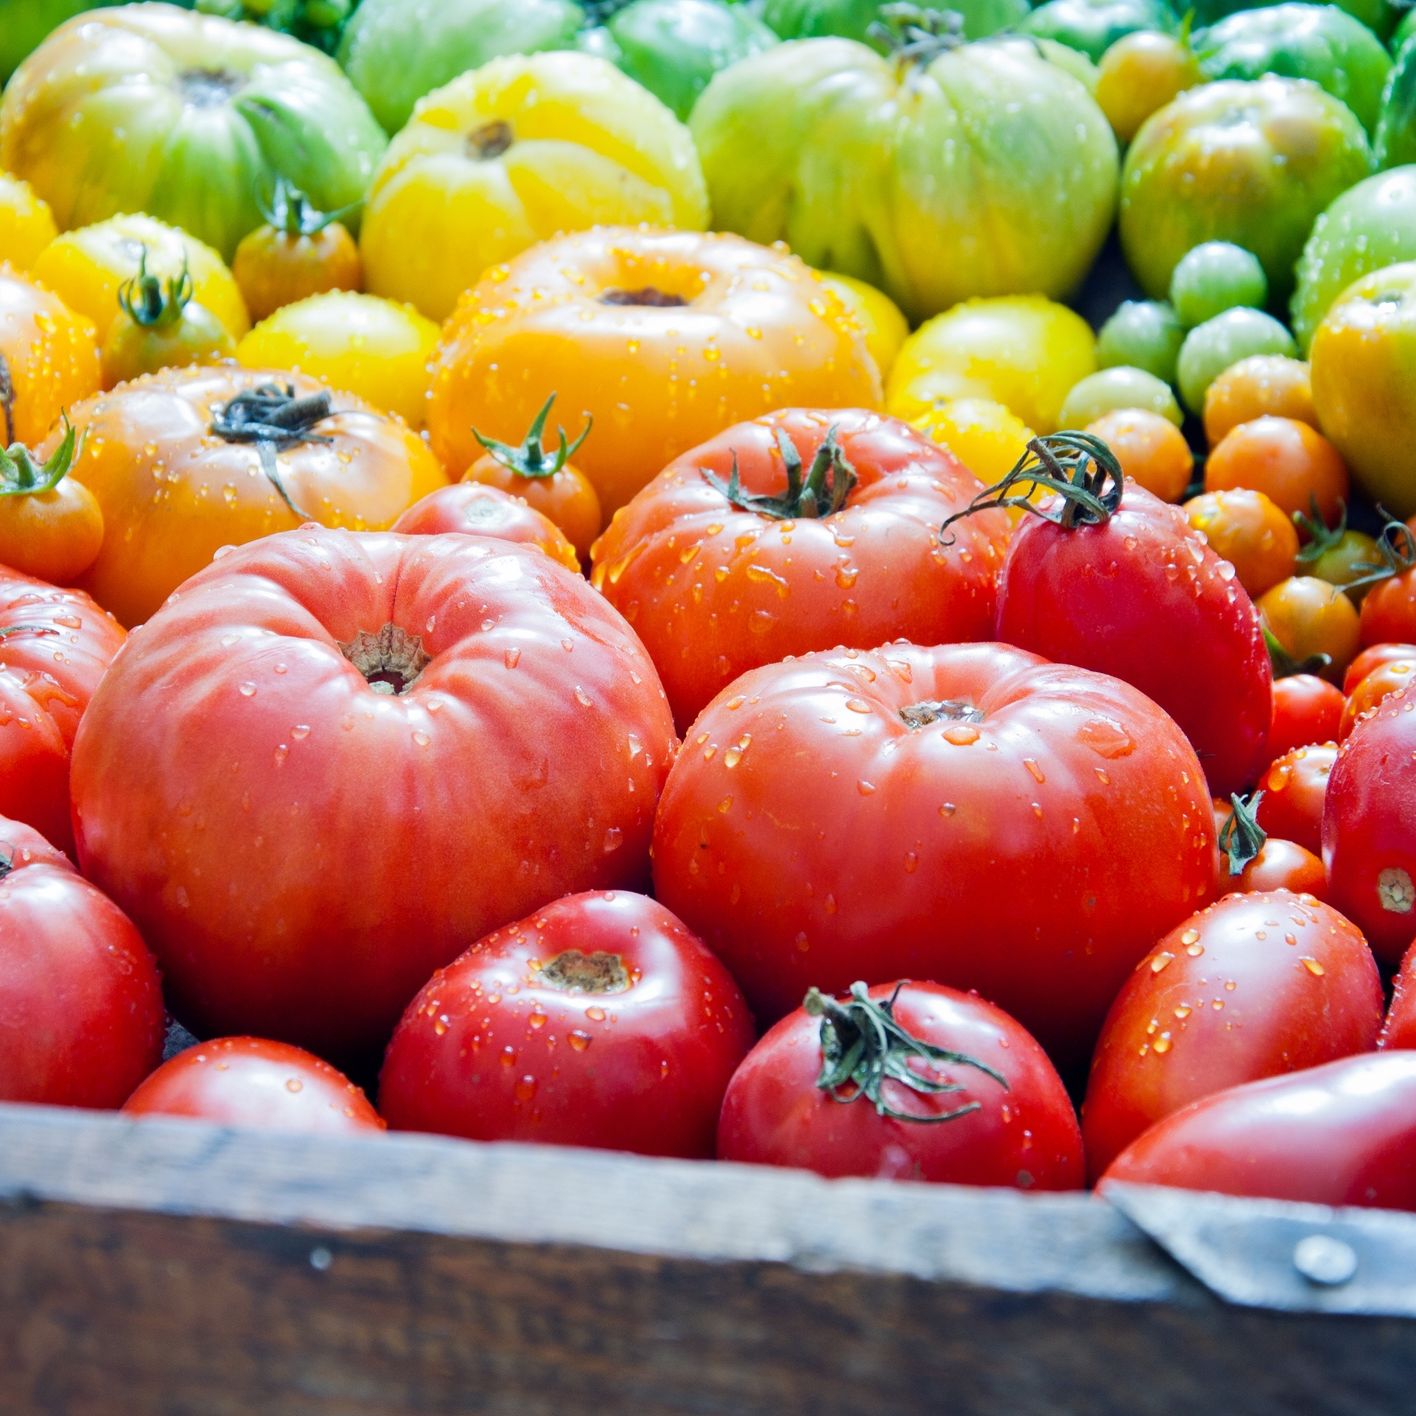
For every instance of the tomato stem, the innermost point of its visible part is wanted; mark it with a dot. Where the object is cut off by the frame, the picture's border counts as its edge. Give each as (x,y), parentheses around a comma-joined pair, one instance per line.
(916,35)
(950,710)
(273,419)
(1283,663)
(1242,838)
(145,302)
(7,862)
(21,476)
(290,212)
(1321,537)
(530,457)
(862,1047)
(1396,544)
(822,492)
(390,658)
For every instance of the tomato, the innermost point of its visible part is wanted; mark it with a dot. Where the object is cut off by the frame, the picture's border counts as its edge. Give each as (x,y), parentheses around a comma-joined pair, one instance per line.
(1373,658)
(298,252)
(81,1014)
(1095,576)
(1339,1134)
(855,19)
(1369,826)
(664,338)
(1141,334)
(1022,351)
(1096,26)
(1211,348)
(197,433)
(1339,555)
(952,774)
(1395,143)
(48,359)
(55,646)
(50,526)
(1139,75)
(1246,529)
(987,437)
(1306,710)
(472,507)
(1293,788)
(598,1021)
(1290,463)
(515,152)
(1116,389)
(802,530)
(873,165)
(185,116)
(1399,1029)
(324,694)
(1262,383)
(938,1086)
(880,319)
(372,348)
(1252,163)
(1313,623)
(87,269)
(1152,451)
(26,225)
(1389,611)
(1213,277)
(160,328)
(1250,861)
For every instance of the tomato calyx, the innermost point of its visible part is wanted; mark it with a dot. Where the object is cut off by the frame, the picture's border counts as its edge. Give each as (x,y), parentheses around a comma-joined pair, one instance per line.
(941,710)
(490,140)
(1283,663)
(1242,838)
(390,659)
(1319,537)
(530,457)
(821,493)
(21,476)
(648,296)
(273,419)
(291,213)
(914,35)
(862,1046)
(144,300)
(574,971)
(208,88)
(1396,544)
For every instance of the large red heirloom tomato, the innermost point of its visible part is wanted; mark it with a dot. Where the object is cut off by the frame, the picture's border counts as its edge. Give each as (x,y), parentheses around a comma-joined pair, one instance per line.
(333,760)
(800,530)
(969,814)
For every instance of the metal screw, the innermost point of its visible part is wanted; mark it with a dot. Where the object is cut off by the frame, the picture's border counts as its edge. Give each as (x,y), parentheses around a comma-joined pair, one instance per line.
(1324,1260)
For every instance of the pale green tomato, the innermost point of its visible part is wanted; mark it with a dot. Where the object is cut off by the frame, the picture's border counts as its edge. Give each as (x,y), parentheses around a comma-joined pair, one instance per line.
(854,19)
(1396,128)
(1214,277)
(1118,387)
(1144,334)
(1209,349)
(1093,26)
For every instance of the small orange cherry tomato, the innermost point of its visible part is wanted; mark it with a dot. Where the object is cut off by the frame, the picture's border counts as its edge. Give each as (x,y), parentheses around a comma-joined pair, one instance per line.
(1261,384)
(1311,619)
(51,526)
(48,358)
(472,508)
(1246,529)
(1293,787)
(1291,463)
(1150,449)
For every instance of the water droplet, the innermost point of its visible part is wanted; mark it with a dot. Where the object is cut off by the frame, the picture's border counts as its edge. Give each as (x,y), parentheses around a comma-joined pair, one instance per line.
(1162,1043)
(1161,962)
(300,731)
(525,1088)
(512,657)
(961,734)
(1183,1011)
(294,1084)
(579,1040)
(1313,966)
(614,839)
(246,689)
(1034,770)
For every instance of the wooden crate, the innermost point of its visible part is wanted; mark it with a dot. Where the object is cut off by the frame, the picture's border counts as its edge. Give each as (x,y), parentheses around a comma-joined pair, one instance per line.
(173,1267)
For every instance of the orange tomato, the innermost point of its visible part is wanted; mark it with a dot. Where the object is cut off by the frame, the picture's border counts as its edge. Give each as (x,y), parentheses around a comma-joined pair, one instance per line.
(48,358)
(474,509)
(1150,449)
(1262,384)
(1308,617)
(1250,532)
(1292,464)
(50,525)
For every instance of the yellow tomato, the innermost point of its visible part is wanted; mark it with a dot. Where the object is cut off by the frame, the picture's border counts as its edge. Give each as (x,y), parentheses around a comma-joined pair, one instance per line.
(87,267)
(879,317)
(26,227)
(1023,351)
(512,153)
(359,343)
(48,358)
(987,437)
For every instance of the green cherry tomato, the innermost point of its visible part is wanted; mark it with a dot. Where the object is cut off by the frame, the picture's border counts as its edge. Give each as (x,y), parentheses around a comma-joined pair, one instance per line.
(1118,387)
(1214,277)
(1210,348)
(1142,334)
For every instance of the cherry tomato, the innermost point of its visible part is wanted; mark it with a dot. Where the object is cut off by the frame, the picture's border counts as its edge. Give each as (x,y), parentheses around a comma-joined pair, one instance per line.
(1139,75)
(1150,448)
(1388,678)
(1311,619)
(1399,1029)
(1245,528)
(48,359)
(1372,658)
(1293,788)
(51,526)
(1338,554)
(966,1095)
(478,510)
(1249,861)
(1291,463)
(1389,610)
(1306,710)
(1262,384)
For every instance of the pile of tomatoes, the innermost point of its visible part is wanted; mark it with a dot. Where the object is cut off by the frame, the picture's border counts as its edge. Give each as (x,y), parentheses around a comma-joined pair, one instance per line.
(591,592)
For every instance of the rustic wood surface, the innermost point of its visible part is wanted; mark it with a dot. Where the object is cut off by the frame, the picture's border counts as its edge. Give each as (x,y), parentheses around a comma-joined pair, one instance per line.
(173,1268)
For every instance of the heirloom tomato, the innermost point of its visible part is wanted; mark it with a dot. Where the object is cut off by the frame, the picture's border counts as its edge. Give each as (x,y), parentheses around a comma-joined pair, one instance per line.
(1246,529)
(987,437)
(1306,710)
(1114,390)
(880,320)
(372,748)
(1339,1134)
(50,525)
(1293,788)
(160,326)
(804,529)
(48,358)
(1261,384)
(1384,680)
(1213,277)
(190,460)
(1291,463)
(1233,335)
(969,814)
(26,226)
(665,338)
(81,1014)
(1252,163)
(1139,75)
(600,1020)
(185,116)
(1093,26)
(476,509)
(937,174)
(1396,126)
(1313,623)
(515,152)
(251,1081)
(1399,1030)
(937,1085)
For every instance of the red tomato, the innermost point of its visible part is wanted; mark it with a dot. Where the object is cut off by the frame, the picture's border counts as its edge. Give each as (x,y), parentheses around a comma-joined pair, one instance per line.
(81,1015)
(799,530)
(968,814)
(1389,610)
(1123,585)
(371,749)
(1306,710)
(1252,986)
(472,508)
(1399,1030)
(54,647)
(1339,1134)
(1374,658)
(1383,680)
(599,1021)
(1249,860)
(251,1081)
(984,1106)
(1369,826)
(1293,788)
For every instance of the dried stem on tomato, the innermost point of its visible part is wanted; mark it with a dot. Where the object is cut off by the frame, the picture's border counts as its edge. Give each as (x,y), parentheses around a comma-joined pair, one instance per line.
(273,419)
(1242,838)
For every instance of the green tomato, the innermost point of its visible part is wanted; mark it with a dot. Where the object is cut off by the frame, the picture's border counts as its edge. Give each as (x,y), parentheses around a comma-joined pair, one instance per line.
(1213,277)
(1371,226)
(25,23)
(1252,163)
(985,170)
(1209,349)
(1396,128)
(1142,334)
(1378,15)
(1093,26)
(855,19)
(1403,32)
(1119,387)
(1317,42)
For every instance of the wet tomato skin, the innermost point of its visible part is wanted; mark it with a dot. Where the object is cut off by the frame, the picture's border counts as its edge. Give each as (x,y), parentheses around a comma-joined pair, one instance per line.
(1399,1030)
(1293,787)
(1306,710)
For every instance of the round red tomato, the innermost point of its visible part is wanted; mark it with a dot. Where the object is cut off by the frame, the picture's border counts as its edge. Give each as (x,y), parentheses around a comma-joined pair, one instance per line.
(1306,710)
(1249,859)
(1399,1030)
(907,1081)
(799,530)
(968,814)
(598,1021)
(1384,679)
(476,509)
(371,748)
(1339,1134)
(1293,788)
(81,1015)
(251,1081)
(1371,659)
(1254,985)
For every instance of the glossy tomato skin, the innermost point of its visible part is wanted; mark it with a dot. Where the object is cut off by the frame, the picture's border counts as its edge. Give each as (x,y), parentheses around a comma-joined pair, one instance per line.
(479,510)
(810,835)
(1355,1144)
(1399,1029)
(1279,865)
(1254,985)
(1293,787)
(301,848)
(1373,658)
(48,354)
(715,588)
(1306,710)
(599,1020)
(1381,682)
(1098,596)
(1025,1136)
(1389,611)
(252,1081)
(81,1013)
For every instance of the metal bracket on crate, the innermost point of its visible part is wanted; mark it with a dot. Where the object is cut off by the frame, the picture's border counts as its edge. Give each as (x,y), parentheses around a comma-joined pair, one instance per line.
(1274,1254)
